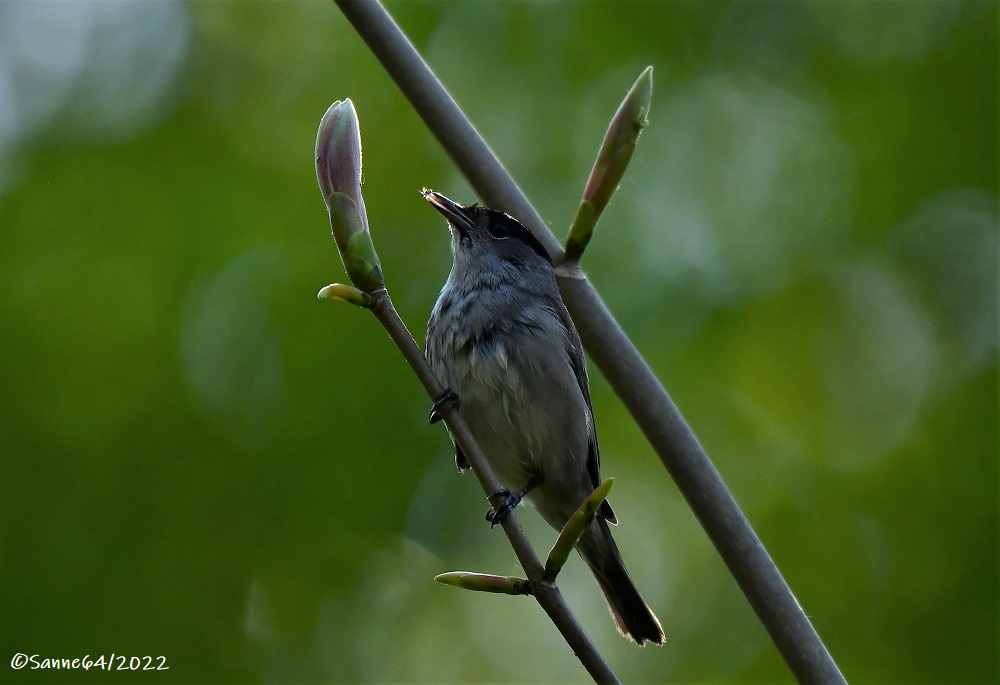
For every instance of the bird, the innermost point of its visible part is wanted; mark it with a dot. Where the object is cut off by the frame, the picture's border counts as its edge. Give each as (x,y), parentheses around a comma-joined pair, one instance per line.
(501,340)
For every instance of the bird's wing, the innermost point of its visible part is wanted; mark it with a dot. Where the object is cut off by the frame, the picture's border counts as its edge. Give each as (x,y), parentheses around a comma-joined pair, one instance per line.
(574,349)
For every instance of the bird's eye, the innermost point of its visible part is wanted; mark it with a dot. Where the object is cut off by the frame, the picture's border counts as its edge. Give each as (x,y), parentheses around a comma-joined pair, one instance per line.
(498,230)
(503,227)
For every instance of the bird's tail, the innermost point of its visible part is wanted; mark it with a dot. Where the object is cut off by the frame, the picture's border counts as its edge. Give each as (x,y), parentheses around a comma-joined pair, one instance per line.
(635,619)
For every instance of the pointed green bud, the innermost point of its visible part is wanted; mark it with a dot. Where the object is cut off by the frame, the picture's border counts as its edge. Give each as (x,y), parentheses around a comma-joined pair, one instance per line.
(581,231)
(574,528)
(485,582)
(345,293)
(338,172)
(612,160)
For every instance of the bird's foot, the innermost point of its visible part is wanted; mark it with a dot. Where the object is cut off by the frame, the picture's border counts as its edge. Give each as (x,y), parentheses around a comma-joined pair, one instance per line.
(443,403)
(503,503)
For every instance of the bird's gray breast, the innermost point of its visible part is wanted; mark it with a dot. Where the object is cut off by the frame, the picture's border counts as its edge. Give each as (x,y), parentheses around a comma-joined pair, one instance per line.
(504,351)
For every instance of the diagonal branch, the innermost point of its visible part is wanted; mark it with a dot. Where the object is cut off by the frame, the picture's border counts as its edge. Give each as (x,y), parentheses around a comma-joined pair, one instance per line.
(614,354)
(545,592)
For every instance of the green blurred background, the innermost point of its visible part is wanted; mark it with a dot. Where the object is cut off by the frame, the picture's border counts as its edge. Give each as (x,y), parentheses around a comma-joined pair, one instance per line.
(203,461)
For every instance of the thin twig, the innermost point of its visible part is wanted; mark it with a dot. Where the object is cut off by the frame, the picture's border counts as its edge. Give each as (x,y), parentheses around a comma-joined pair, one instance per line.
(546,593)
(613,353)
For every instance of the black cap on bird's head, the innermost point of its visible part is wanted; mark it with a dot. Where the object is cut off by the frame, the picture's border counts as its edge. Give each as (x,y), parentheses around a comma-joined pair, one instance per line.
(473,222)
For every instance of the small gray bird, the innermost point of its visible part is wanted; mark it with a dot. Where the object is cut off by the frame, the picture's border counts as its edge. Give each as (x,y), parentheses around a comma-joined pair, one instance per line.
(500,337)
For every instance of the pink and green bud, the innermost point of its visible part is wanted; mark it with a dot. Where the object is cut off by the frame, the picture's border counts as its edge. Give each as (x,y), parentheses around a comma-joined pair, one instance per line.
(338,171)
(612,160)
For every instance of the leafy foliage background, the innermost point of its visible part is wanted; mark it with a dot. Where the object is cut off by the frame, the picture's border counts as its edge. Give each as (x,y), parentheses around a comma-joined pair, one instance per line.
(201,460)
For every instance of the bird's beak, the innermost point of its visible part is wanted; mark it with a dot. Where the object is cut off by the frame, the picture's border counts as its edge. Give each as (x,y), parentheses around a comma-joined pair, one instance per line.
(456,214)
